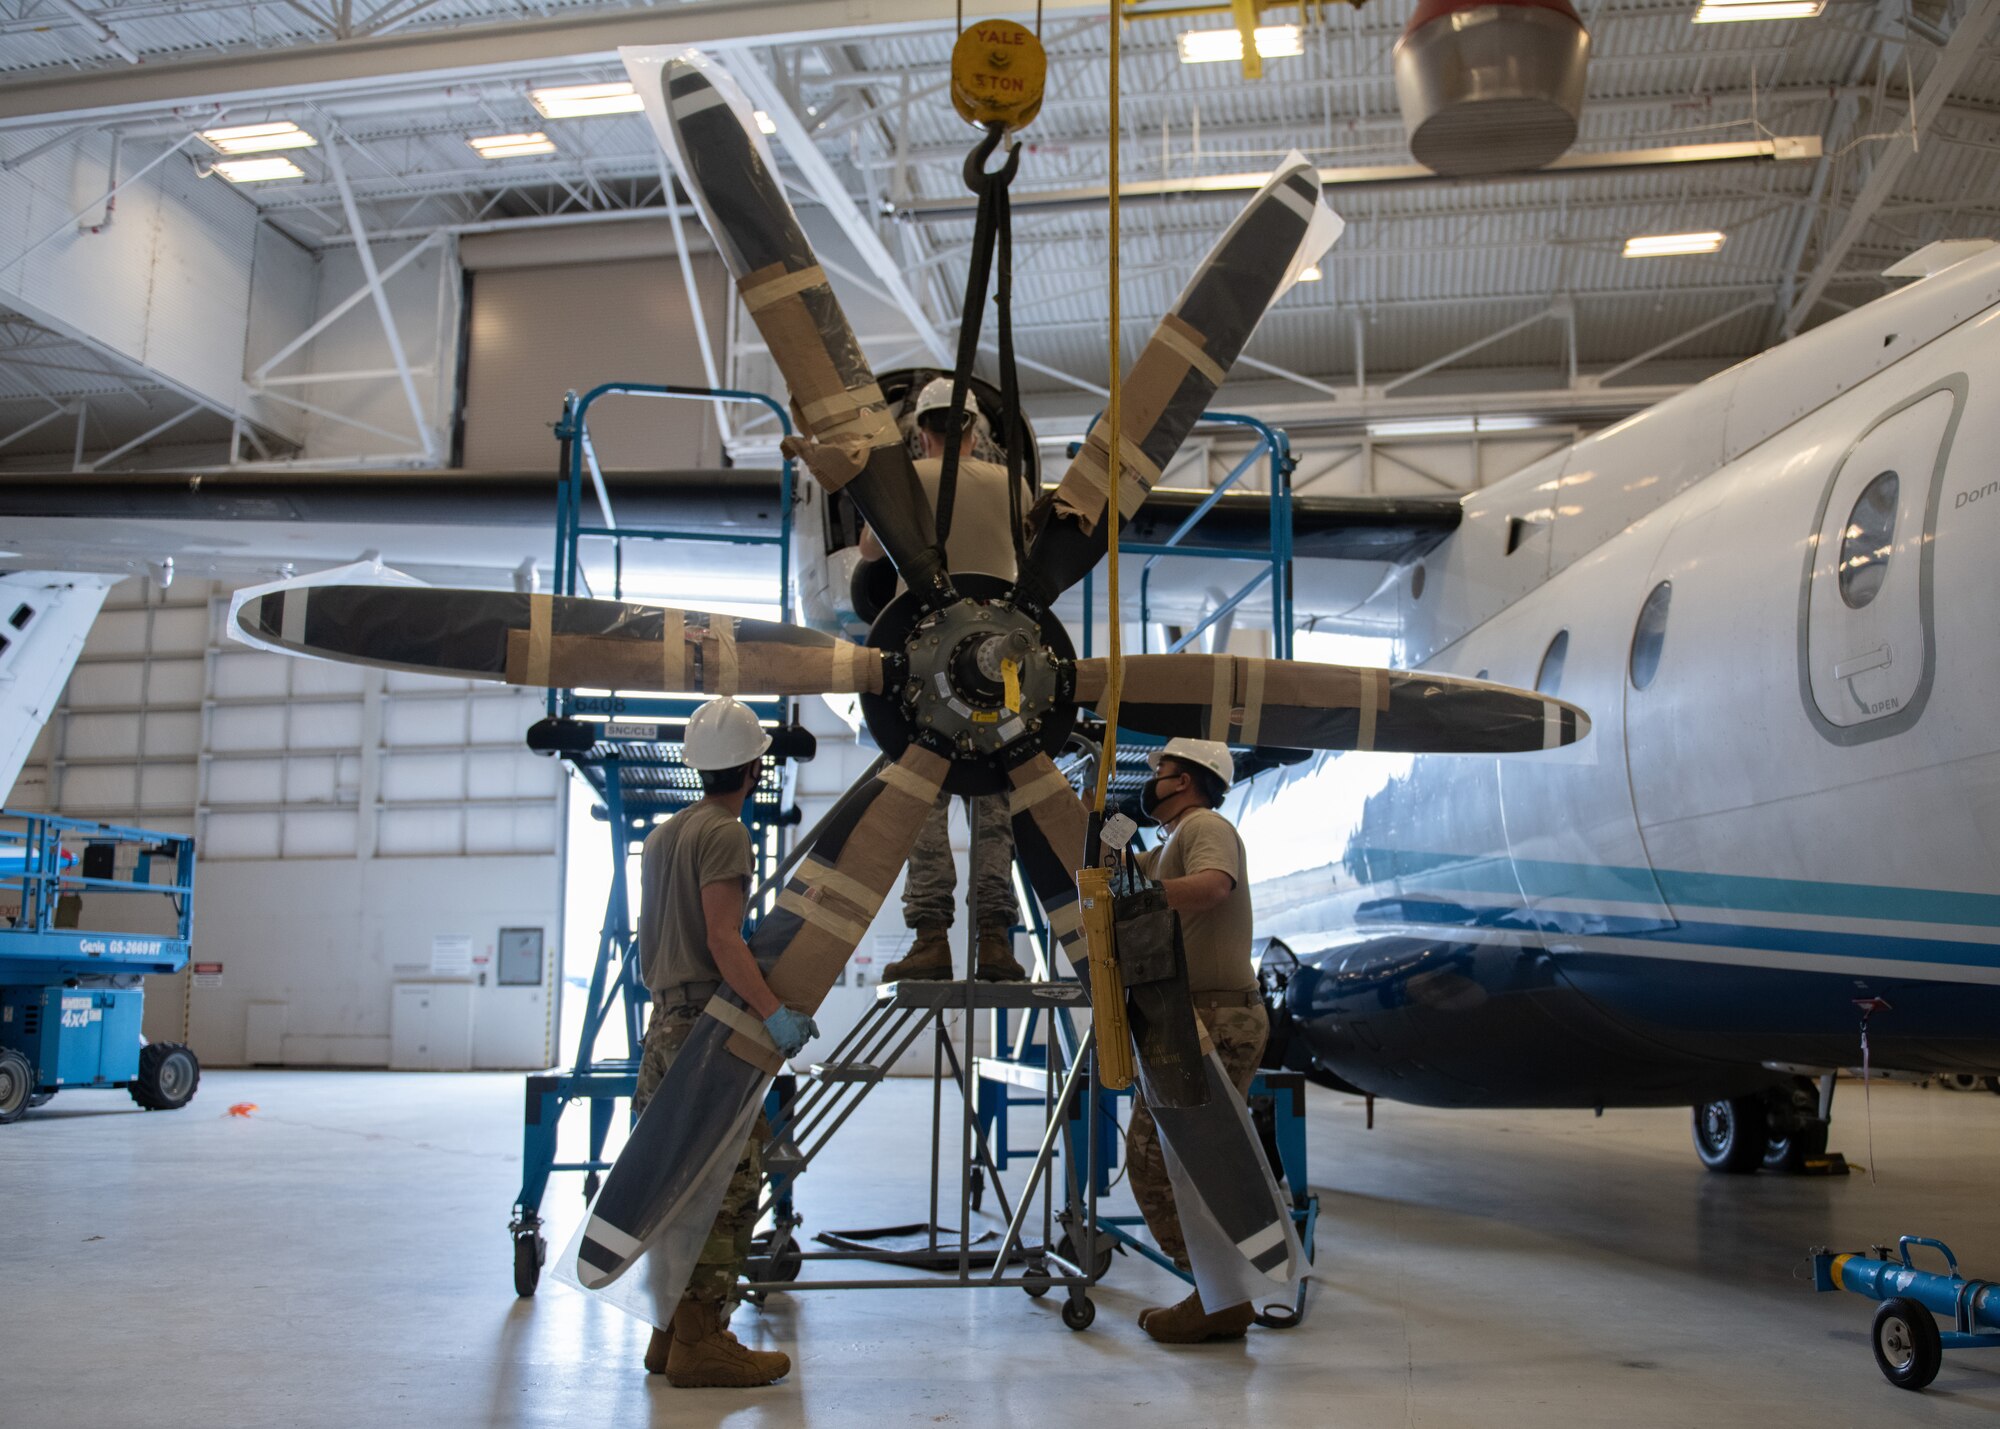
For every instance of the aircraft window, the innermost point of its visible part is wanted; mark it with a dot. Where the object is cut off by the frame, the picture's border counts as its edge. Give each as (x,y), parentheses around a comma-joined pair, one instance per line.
(1650,635)
(1867,540)
(1549,678)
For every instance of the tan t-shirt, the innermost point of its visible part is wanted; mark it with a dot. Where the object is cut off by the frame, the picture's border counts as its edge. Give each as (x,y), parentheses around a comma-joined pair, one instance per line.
(700,845)
(979,514)
(1217,941)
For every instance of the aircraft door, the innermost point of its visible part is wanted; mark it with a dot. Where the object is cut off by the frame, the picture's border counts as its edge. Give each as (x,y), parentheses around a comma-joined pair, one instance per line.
(1867,642)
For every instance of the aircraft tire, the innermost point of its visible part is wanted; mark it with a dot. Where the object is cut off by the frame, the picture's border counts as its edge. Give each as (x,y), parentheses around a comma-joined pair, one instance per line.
(1788,1154)
(1730,1136)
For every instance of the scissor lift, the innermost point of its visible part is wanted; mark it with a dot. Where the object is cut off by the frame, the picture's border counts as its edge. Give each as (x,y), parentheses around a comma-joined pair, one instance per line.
(70,999)
(635,771)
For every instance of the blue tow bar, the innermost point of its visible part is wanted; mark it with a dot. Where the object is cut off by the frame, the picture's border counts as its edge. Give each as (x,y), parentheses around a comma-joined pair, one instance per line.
(1908,1345)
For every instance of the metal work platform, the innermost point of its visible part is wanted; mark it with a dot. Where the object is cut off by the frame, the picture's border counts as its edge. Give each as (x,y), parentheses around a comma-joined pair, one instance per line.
(955,1258)
(635,771)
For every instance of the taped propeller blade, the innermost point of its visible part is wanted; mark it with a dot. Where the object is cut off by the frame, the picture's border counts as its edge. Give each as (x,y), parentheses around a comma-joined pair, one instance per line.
(853,444)
(553,640)
(1239,1232)
(1296,704)
(1284,227)
(664,1190)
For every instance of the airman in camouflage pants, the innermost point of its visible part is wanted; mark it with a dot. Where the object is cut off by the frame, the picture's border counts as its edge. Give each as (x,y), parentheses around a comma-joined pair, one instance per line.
(728,1243)
(1238,1034)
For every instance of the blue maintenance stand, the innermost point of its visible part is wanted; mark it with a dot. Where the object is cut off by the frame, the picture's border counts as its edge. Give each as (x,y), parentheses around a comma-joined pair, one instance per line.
(1277,1098)
(630,757)
(1909,1347)
(71,1004)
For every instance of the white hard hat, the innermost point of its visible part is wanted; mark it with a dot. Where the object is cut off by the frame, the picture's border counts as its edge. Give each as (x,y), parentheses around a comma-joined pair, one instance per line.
(724,734)
(1211,754)
(937,394)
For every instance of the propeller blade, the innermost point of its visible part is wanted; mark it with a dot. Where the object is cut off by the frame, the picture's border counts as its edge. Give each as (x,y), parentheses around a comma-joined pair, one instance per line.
(1178,372)
(1240,1235)
(555,640)
(1295,704)
(663,1191)
(854,443)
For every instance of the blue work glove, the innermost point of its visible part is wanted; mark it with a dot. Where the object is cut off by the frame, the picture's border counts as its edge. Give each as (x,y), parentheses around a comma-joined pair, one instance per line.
(790,1030)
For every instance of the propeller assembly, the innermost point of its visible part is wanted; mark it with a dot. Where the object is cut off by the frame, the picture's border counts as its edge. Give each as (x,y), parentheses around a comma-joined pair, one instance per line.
(968,682)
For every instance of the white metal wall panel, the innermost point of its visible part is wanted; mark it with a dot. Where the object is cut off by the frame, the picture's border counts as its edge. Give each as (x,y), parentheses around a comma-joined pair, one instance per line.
(162,284)
(358,785)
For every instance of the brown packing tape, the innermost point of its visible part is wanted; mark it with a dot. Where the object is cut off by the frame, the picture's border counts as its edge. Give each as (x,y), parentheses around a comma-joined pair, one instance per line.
(1091,678)
(673,651)
(819,914)
(1185,343)
(871,855)
(833,464)
(759,292)
(814,874)
(1086,486)
(740,1019)
(1201,1036)
(1249,714)
(872,427)
(797,345)
(1326,687)
(628,663)
(1052,785)
(541,620)
(748,1050)
(826,415)
(722,631)
(1061,822)
(1221,696)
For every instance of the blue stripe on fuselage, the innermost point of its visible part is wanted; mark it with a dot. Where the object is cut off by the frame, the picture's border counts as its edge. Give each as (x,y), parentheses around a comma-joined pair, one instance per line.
(1683,890)
(1733,935)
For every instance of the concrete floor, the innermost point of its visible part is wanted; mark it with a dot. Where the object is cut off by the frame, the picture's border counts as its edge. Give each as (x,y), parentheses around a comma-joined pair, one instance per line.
(339,1257)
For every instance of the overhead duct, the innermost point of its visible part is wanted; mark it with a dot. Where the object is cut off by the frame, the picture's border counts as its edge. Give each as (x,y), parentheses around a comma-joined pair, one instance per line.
(1491,86)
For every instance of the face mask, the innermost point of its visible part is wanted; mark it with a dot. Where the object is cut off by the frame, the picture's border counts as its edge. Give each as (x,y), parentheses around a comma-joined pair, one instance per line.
(1150,798)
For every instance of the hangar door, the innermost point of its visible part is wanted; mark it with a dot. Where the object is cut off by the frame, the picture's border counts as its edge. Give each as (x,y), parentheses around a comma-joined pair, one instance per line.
(538,331)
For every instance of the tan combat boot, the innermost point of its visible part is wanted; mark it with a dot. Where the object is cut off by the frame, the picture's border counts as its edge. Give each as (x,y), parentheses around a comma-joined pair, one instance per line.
(1188,1324)
(928,961)
(997,962)
(704,1355)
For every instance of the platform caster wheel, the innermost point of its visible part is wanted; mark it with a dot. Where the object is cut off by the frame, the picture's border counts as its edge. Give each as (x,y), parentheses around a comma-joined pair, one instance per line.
(1077,1314)
(530,1250)
(1280,1316)
(17,1084)
(1099,1267)
(590,1185)
(1730,1136)
(1908,1348)
(168,1075)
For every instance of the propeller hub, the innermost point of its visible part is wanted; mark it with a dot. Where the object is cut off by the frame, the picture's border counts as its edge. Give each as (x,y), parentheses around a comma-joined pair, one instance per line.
(956,689)
(980,681)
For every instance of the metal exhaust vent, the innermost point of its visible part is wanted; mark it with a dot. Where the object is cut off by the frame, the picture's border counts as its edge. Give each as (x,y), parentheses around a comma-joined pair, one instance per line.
(1491,86)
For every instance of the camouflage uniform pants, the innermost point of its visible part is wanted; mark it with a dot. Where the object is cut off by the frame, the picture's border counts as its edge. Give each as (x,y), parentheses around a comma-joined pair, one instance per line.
(930,890)
(1238,1034)
(728,1244)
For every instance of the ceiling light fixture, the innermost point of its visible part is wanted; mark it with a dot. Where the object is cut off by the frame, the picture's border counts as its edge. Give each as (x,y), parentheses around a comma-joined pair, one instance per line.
(257,171)
(1450,426)
(1310,273)
(512,146)
(1274,42)
(1673,245)
(1719,12)
(765,123)
(585,101)
(257,138)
